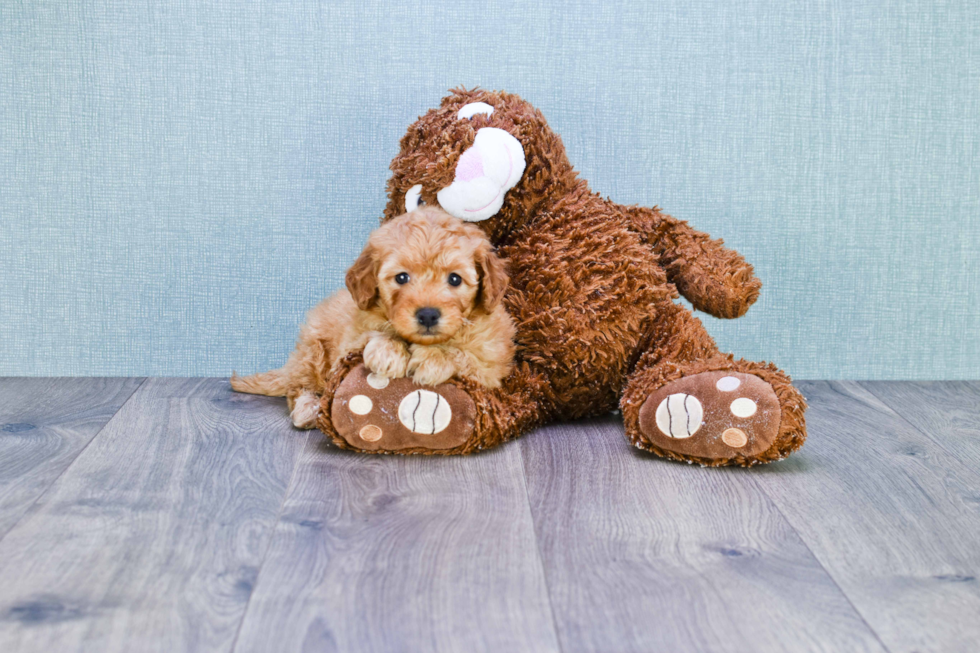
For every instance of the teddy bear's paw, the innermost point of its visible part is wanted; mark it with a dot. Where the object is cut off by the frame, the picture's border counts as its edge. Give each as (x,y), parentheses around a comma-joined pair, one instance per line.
(714,416)
(374,413)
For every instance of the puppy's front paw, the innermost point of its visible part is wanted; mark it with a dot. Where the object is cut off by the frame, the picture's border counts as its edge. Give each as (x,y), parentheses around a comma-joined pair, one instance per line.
(386,356)
(430,366)
(305,411)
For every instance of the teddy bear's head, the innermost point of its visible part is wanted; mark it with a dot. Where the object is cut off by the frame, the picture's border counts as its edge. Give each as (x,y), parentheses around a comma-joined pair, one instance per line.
(486,157)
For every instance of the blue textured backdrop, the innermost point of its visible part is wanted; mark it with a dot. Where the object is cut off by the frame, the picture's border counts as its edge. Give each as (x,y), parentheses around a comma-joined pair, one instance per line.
(180,181)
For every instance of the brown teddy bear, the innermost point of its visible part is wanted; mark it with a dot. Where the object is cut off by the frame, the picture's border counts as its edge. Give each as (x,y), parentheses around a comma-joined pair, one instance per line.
(592,294)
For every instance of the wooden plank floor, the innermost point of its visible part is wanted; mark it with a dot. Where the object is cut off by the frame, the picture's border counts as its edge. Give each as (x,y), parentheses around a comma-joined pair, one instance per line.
(174,515)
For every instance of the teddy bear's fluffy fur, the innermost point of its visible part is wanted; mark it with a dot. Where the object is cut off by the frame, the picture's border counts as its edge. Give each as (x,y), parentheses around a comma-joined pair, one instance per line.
(593,285)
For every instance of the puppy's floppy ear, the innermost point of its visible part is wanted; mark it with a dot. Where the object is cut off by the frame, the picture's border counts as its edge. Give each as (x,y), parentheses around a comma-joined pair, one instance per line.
(362,279)
(493,278)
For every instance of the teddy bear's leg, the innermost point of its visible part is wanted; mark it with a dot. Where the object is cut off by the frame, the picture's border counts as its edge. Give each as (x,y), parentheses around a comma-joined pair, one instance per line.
(366,412)
(685,400)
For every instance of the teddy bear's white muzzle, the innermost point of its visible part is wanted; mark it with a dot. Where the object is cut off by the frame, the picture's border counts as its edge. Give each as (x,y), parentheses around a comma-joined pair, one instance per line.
(484,174)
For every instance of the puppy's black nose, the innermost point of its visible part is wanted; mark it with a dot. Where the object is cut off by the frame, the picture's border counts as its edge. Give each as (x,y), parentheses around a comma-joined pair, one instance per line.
(428,317)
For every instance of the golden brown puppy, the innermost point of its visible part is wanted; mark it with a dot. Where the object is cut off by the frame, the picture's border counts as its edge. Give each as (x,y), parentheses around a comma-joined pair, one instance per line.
(422,300)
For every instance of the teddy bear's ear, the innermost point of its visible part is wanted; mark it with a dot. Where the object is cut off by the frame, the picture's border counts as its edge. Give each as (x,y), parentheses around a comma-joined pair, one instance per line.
(473,108)
(484,173)
(413,197)
(362,279)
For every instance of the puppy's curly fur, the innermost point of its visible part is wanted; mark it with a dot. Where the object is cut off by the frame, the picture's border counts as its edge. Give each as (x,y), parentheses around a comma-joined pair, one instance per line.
(426,259)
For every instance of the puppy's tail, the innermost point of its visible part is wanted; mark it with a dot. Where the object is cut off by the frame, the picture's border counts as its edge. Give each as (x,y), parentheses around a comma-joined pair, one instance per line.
(271,383)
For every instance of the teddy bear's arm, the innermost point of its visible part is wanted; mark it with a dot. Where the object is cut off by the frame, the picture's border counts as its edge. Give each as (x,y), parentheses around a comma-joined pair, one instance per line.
(715,279)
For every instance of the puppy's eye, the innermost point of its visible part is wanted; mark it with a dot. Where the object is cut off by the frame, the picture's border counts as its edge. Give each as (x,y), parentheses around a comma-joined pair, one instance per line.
(455,279)
(401,278)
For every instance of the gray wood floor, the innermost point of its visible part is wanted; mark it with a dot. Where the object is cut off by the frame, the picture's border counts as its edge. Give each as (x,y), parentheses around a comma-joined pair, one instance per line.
(173,515)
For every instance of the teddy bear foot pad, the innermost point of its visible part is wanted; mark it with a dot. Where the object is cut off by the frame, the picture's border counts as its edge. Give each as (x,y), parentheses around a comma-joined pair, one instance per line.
(374,413)
(712,415)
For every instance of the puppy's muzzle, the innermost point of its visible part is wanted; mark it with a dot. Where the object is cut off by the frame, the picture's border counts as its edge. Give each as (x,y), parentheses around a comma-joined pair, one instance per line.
(428,317)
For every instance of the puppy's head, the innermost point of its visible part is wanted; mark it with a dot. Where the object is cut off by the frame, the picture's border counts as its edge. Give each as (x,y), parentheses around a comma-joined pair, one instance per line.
(427,273)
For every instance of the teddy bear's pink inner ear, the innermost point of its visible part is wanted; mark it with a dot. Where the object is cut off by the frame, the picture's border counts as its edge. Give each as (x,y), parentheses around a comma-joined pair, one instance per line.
(470,165)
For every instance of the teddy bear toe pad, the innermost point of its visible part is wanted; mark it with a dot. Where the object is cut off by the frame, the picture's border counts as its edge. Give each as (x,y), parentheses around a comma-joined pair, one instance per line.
(375,413)
(714,415)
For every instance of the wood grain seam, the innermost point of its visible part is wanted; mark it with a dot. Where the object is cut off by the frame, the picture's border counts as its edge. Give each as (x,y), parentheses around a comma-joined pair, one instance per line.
(937,442)
(55,480)
(806,546)
(272,536)
(537,548)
